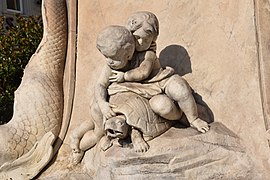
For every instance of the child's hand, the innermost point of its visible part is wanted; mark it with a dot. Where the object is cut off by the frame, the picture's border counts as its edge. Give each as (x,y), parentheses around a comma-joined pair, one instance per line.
(117,76)
(107,111)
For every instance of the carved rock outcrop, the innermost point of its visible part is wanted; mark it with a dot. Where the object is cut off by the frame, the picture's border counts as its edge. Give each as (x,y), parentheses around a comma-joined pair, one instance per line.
(177,154)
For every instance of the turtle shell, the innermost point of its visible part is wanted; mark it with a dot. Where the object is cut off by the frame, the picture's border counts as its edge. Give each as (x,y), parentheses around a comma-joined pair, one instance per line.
(139,114)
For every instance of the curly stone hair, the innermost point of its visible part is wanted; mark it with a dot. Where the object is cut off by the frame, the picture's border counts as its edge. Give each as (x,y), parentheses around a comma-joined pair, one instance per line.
(136,20)
(113,39)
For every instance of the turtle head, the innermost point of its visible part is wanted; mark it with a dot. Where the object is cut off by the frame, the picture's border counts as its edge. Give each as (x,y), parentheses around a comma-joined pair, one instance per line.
(116,127)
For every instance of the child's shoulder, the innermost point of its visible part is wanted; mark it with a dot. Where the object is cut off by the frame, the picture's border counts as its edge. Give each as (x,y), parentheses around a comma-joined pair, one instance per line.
(140,56)
(150,54)
(106,71)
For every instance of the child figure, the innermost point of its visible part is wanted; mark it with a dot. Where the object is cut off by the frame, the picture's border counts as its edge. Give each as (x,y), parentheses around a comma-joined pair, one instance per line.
(145,28)
(117,44)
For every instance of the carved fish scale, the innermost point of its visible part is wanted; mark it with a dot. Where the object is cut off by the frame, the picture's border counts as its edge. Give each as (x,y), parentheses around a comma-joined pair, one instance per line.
(38,106)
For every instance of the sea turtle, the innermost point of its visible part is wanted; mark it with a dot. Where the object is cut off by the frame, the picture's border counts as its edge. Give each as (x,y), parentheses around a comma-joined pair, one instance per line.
(135,118)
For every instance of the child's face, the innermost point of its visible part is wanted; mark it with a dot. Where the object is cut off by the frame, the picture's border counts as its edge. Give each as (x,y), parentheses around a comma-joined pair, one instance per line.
(143,37)
(144,33)
(119,60)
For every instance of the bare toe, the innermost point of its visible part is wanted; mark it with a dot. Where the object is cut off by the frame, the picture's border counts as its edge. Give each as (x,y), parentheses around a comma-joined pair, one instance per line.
(105,143)
(141,146)
(200,125)
(206,128)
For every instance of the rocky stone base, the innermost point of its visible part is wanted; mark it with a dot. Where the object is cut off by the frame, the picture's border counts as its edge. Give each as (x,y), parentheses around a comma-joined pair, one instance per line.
(180,153)
(177,154)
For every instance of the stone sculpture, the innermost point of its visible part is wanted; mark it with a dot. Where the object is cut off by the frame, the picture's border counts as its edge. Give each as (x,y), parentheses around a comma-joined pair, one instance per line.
(38,107)
(135,118)
(91,131)
(132,66)
(132,96)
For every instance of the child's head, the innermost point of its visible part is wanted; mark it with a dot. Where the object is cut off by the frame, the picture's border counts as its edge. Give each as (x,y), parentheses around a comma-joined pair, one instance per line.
(145,28)
(117,44)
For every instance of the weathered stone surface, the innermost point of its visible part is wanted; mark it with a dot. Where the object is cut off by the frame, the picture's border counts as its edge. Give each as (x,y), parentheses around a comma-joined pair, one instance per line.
(263,30)
(214,45)
(220,47)
(61,168)
(180,153)
(26,144)
(177,154)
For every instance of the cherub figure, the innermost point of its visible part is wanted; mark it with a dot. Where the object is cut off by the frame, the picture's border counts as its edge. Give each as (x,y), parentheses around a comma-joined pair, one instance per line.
(117,44)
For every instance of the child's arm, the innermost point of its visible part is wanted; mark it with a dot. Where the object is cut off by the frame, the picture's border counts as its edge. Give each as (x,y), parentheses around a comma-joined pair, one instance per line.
(101,93)
(144,70)
(137,74)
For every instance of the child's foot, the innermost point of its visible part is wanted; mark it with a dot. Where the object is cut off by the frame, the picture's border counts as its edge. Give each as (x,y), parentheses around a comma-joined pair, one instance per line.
(140,146)
(77,157)
(74,144)
(105,143)
(200,125)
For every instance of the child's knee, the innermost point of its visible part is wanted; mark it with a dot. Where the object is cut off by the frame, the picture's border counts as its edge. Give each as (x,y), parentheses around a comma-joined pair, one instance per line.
(177,88)
(161,104)
(165,107)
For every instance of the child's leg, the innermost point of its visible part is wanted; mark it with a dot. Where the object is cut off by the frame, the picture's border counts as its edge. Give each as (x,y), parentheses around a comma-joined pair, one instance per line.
(178,89)
(91,137)
(165,107)
(78,133)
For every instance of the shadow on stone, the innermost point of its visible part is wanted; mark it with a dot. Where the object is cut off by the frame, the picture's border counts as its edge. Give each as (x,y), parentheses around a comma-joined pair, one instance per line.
(203,109)
(177,57)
